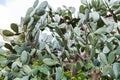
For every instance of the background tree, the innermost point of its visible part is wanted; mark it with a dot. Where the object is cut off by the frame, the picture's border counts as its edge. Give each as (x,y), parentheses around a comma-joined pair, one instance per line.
(77,48)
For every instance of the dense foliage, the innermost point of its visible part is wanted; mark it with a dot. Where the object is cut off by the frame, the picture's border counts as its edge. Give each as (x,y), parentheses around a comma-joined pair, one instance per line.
(58,45)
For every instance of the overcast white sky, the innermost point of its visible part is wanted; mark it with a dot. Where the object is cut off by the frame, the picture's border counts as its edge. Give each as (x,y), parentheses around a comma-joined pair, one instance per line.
(12,10)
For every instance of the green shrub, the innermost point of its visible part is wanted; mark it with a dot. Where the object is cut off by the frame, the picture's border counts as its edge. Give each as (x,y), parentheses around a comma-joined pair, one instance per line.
(82,47)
